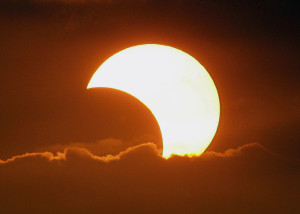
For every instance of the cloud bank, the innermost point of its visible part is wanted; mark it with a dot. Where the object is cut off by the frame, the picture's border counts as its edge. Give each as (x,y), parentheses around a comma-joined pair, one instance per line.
(248,179)
(86,151)
(82,153)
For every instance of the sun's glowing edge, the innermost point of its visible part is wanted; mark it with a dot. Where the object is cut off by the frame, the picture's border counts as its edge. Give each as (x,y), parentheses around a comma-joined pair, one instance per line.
(148,100)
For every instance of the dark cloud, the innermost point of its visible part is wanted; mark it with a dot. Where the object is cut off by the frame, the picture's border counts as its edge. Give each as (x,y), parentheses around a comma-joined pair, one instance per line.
(79,151)
(87,151)
(236,152)
(243,180)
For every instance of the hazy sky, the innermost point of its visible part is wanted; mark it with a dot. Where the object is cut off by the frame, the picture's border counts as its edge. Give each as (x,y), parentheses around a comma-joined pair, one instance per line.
(109,162)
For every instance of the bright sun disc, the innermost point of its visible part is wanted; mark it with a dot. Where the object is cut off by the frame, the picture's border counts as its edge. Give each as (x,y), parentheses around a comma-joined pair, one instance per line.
(174,86)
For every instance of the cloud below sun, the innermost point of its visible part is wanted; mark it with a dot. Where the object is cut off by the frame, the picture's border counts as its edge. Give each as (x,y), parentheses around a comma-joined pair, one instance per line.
(77,150)
(139,180)
(108,150)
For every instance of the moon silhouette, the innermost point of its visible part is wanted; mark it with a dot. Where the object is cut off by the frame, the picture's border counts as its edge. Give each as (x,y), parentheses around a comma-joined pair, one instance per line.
(174,86)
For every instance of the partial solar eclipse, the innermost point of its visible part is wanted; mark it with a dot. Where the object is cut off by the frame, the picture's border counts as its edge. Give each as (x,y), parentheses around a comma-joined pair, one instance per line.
(174,86)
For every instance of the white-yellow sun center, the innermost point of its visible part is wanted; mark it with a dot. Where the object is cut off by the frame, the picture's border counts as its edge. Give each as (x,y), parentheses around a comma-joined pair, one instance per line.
(174,86)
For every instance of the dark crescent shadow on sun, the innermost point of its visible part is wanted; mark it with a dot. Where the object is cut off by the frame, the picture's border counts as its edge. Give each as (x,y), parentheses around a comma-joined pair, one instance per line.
(111,113)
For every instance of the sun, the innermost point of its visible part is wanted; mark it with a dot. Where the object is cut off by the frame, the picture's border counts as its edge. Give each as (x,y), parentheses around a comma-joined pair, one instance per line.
(174,86)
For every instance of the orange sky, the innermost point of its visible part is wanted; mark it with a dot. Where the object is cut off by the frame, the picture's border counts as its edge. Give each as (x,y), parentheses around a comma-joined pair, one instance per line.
(50,50)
